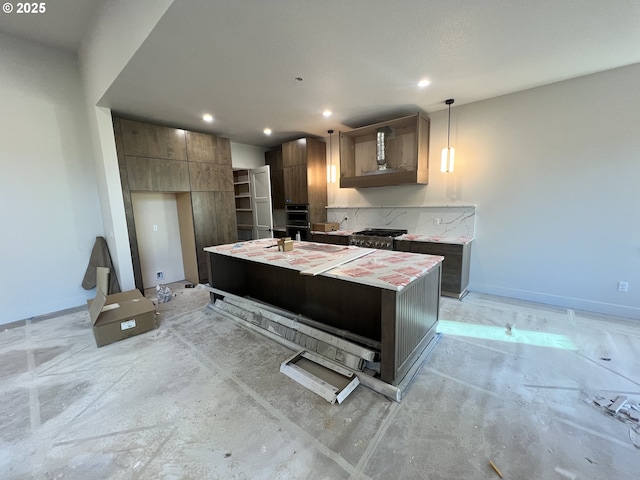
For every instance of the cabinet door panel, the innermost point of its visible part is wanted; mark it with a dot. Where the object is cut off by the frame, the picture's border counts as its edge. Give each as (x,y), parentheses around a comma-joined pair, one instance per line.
(201,147)
(223,152)
(208,177)
(145,140)
(273,158)
(214,223)
(402,245)
(453,266)
(295,184)
(226,218)
(436,248)
(294,153)
(331,239)
(157,175)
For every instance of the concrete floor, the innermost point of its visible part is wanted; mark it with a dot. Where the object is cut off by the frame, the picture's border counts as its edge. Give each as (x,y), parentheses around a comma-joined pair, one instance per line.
(202,398)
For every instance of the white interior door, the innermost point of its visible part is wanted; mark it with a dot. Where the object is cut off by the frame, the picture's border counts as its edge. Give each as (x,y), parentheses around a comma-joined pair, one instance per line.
(261,200)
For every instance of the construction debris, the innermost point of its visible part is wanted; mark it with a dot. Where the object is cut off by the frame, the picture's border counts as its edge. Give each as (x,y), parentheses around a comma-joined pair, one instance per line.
(622,409)
(509,327)
(493,465)
(617,404)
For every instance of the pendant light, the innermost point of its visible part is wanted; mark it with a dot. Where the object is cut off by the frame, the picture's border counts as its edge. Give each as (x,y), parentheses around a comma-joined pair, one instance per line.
(448,154)
(331,168)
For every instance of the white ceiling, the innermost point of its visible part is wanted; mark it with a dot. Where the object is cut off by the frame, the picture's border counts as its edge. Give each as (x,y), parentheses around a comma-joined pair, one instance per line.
(62,25)
(238,60)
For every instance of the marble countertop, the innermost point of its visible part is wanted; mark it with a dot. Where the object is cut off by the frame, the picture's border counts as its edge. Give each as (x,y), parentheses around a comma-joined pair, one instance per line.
(386,269)
(434,238)
(411,237)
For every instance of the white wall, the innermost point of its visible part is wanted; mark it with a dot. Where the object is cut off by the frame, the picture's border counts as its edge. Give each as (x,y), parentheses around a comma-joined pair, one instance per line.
(110,191)
(119,30)
(51,214)
(555,174)
(160,249)
(117,33)
(246,156)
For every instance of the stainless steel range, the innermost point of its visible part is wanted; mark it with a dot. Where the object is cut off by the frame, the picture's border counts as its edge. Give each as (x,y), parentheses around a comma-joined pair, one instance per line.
(381,238)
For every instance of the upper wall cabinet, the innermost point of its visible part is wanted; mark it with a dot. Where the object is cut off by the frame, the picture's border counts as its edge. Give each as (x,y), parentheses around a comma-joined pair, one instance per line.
(387,153)
(153,141)
(207,148)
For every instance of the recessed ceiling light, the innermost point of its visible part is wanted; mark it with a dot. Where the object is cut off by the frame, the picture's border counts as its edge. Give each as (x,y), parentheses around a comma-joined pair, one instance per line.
(267,131)
(326,113)
(423,83)
(207,117)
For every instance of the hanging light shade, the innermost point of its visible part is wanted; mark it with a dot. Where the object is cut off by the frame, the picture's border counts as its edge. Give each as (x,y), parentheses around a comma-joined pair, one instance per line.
(448,154)
(331,168)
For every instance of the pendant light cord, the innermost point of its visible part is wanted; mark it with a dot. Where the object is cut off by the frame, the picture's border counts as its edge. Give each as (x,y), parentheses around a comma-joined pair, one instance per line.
(330,132)
(449,129)
(449,102)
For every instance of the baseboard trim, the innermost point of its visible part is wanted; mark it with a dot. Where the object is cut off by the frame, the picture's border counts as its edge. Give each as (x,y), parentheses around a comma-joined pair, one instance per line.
(560,301)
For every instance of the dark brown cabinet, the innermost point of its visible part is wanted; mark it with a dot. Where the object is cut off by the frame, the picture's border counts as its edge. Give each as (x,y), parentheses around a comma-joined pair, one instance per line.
(295,184)
(154,158)
(331,239)
(304,170)
(455,267)
(406,153)
(273,158)
(152,141)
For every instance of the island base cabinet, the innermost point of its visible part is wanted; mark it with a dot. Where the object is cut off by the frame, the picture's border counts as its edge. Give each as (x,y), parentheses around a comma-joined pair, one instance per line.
(403,322)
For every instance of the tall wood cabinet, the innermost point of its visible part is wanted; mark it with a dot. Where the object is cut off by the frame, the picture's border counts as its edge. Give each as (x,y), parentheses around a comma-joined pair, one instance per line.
(197,166)
(273,158)
(305,176)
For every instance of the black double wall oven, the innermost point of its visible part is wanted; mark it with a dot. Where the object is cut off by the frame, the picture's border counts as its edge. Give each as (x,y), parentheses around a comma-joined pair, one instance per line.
(297,221)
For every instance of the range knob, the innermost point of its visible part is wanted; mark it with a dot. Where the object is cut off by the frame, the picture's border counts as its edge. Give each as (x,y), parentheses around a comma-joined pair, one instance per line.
(378,244)
(367,243)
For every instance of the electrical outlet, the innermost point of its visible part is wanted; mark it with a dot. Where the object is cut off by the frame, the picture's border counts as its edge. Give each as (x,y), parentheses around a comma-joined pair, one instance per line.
(160,275)
(155,228)
(623,287)
(436,221)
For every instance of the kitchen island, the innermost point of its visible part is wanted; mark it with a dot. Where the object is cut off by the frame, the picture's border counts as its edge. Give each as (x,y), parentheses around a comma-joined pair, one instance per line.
(391,298)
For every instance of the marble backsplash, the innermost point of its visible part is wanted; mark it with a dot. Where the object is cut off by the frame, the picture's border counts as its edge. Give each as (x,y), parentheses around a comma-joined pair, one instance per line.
(443,221)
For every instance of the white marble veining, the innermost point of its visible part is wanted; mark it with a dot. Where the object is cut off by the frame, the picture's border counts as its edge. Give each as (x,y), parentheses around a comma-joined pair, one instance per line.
(441,221)
(381,268)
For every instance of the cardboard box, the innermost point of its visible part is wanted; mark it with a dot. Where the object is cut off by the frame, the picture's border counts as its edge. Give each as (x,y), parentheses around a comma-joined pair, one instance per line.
(121,315)
(325,227)
(285,244)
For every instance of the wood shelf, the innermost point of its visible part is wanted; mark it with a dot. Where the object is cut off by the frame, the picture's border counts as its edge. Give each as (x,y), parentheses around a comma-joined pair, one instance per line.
(244,208)
(407,154)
